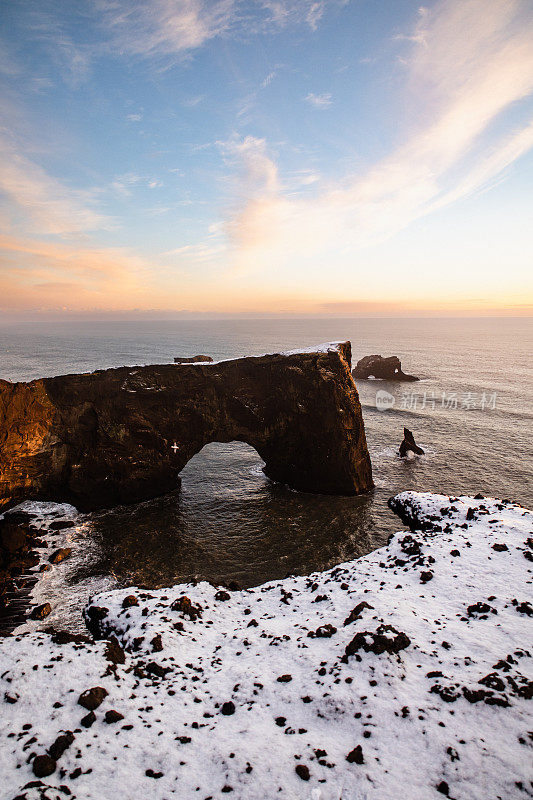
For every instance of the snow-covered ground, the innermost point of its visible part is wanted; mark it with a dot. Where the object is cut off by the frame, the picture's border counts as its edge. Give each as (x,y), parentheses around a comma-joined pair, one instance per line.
(401,675)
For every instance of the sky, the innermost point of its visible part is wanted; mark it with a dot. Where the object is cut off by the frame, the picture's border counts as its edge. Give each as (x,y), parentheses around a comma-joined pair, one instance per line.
(338,157)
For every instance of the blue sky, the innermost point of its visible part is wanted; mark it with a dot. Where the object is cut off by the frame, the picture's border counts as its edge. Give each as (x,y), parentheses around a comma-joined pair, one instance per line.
(306,156)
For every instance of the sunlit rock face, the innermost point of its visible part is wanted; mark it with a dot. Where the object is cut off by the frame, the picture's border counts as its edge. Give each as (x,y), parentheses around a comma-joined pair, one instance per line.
(124,435)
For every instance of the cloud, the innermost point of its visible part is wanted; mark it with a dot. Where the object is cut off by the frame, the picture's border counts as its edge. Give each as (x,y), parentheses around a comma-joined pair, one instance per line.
(31,270)
(43,202)
(134,117)
(467,62)
(319,100)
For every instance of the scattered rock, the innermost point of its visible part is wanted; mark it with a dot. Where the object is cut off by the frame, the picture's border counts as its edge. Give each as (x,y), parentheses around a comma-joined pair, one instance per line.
(129,601)
(355,756)
(302,771)
(113,716)
(185,605)
(92,698)
(43,765)
(228,708)
(385,640)
(61,744)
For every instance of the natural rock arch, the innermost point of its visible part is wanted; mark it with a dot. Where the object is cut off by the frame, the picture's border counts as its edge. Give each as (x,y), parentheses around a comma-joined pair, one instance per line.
(124,435)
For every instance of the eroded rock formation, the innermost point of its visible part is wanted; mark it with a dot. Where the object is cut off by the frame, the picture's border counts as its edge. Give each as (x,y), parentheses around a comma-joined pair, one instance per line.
(409,444)
(124,435)
(388,369)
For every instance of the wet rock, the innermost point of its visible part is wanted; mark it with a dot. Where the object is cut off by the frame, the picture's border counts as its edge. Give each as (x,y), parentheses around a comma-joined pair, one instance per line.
(41,612)
(92,698)
(409,444)
(43,765)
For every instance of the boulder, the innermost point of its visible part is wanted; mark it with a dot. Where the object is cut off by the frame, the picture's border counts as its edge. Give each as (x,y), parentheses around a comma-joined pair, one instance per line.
(409,444)
(192,359)
(388,369)
(123,435)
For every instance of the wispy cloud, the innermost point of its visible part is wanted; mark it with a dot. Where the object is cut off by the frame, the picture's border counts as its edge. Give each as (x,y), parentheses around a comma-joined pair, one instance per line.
(468,61)
(134,117)
(43,202)
(319,100)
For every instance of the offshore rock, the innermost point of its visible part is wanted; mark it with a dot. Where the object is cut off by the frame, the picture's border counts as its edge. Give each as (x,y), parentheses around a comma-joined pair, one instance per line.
(409,444)
(388,369)
(191,359)
(123,435)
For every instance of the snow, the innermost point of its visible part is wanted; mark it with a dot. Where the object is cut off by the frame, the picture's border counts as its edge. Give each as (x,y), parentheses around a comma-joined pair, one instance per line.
(326,347)
(442,702)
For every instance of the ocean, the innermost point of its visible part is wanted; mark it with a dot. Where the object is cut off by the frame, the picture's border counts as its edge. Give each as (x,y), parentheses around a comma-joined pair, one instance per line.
(471,411)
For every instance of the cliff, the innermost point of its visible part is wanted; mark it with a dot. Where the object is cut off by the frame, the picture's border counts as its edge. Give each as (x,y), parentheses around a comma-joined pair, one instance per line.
(124,435)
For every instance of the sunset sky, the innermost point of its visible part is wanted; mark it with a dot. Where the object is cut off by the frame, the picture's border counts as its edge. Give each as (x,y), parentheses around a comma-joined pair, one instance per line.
(293,156)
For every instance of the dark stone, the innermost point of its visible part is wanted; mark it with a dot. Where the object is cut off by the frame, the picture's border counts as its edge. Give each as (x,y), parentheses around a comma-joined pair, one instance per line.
(499,547)
(355,756)
(92,698)
(114,652)
(60,555)
(106,438)
(302,771)
(378,642)
(284,679)
(222,595)
(409,444)
(355,613)
(61,744)
(88,719)
(323,632)
(156,669)
(43,766)
(129,601)
(157,643)
(185,605)
(113,716)
(443,788)
(389,369)
(42,611)
(425,576)
(228,708)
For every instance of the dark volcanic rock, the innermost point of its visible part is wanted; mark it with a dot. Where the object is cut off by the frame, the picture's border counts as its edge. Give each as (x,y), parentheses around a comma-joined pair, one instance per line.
(60,555)
(192,359)
(389,369)
(43,766)
(409,444)
(124,435)
(92,698)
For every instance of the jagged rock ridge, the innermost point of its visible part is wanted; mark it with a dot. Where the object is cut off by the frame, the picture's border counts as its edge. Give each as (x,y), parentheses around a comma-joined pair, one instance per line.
(124,435)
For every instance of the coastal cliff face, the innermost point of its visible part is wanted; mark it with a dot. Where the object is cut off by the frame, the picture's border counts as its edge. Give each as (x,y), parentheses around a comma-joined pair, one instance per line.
(124,435)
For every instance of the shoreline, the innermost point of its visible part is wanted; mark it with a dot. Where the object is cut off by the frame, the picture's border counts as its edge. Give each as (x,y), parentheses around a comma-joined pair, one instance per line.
(190,682)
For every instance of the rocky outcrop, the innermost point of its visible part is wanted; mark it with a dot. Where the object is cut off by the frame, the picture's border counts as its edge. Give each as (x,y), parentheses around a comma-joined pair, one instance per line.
(409,444)
(192,359)
(124,435)
(388,369)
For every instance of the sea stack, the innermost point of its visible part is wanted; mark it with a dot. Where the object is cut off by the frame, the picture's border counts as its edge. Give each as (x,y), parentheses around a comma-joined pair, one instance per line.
(123,435)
